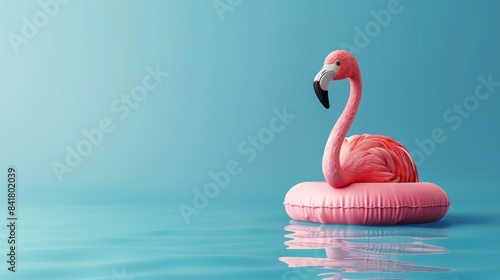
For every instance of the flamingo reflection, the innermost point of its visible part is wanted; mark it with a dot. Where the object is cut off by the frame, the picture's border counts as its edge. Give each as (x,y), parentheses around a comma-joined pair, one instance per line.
(356,249)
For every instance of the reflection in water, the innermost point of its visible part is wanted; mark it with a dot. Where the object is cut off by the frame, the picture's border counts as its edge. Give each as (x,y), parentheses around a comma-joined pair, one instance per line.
(358,249)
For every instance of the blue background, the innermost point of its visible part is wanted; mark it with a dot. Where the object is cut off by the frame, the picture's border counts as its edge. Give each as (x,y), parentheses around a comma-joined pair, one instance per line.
(227,73)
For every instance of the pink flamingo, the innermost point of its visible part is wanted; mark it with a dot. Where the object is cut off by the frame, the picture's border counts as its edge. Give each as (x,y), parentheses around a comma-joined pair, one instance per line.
(358,158)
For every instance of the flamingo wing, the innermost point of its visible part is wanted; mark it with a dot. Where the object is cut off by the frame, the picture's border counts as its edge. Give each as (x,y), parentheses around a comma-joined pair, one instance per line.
(376,158)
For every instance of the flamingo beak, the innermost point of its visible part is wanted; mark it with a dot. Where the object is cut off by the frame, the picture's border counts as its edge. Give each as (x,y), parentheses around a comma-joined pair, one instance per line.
(321,82)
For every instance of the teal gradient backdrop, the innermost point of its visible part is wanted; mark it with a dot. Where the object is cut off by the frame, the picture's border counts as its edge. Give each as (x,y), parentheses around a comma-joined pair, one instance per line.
(228,71)
(227,75)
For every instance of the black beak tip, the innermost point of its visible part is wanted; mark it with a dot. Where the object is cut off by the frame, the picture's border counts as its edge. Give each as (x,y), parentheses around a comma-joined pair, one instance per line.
(321,94)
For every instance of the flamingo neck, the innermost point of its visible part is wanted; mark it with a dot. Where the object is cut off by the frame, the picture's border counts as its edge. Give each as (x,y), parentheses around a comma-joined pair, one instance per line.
(332,170)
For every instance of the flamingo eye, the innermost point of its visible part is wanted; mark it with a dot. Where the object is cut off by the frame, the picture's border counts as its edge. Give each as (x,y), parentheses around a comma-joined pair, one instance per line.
(338,62)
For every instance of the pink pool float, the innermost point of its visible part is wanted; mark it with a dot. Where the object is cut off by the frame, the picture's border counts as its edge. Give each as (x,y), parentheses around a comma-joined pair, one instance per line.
(370,179)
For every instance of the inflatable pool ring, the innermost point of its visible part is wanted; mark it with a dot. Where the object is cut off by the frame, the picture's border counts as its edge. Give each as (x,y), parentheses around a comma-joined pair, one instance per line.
(370,179)
(367,203)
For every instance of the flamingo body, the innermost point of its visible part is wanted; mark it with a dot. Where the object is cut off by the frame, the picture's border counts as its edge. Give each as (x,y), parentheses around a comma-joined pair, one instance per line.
(376,158)
(359,158)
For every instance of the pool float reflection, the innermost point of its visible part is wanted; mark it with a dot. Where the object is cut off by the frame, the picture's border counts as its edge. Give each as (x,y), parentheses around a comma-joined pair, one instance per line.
(355,249)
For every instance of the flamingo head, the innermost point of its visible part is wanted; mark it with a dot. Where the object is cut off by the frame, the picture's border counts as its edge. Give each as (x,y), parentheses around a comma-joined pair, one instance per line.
(338,65)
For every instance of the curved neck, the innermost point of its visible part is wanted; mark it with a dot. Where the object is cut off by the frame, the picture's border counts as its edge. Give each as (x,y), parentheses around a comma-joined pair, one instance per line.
(333,172)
